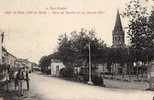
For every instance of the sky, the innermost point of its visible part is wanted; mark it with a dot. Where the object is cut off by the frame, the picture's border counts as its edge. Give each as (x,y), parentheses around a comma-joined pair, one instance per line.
(31,36)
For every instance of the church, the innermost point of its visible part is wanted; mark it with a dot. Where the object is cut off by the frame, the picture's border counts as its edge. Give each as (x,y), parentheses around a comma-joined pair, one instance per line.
(118,35)
(118,41)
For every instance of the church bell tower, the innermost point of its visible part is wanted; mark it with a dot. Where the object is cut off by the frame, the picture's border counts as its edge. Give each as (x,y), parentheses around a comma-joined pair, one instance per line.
(118,33)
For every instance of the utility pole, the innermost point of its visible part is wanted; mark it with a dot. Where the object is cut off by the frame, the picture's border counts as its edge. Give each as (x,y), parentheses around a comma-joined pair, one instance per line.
(1,46)
(90,69)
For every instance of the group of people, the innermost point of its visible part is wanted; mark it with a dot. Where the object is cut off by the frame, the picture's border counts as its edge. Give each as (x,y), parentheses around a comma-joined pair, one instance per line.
(19,77)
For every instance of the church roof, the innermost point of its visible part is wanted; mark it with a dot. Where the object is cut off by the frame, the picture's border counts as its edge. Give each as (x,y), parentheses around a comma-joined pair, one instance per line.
(118,24)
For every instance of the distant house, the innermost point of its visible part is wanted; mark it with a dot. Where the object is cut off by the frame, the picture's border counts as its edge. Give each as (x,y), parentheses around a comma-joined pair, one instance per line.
(56,66)
(19,63)
(24,63)
(35,67)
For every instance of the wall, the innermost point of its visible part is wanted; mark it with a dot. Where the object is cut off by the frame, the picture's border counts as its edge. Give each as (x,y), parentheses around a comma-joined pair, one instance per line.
(54,68)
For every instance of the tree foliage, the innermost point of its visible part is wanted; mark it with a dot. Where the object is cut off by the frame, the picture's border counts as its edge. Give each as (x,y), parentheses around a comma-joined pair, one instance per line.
(140,31)
(73,47)
(44,63)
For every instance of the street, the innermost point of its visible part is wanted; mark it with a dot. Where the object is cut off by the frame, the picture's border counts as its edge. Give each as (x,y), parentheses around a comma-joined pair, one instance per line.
(51,88)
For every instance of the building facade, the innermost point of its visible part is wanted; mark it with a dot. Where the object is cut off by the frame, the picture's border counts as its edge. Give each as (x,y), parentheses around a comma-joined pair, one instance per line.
(20,63)
(56,66)
(8,58)
(11,60)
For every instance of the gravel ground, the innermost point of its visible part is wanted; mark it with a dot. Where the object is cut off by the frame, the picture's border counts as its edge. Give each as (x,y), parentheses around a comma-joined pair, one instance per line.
(126,85)
(43,87)
(51,88)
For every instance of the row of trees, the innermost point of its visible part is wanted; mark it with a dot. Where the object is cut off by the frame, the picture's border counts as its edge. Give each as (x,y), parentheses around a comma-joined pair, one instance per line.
(73,51)
(73,47)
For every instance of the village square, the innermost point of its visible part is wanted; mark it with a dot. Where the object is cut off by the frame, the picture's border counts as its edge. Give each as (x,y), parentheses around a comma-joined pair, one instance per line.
(81,66)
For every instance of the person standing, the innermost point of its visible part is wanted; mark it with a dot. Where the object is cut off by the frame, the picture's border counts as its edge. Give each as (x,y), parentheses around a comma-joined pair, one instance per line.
(20,77)
(16,83)
(27,79)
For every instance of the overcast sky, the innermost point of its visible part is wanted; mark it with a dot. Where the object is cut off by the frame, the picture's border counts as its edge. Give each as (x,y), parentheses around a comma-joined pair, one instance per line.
(34,35)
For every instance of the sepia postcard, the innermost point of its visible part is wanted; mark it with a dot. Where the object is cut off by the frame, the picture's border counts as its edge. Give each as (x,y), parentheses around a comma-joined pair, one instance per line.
(76,50)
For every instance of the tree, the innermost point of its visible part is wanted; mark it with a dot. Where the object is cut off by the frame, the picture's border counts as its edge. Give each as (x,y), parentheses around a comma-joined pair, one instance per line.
(116,56)
(139,29)
(44,63)
(151,20)
(73,48)
(140,32)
